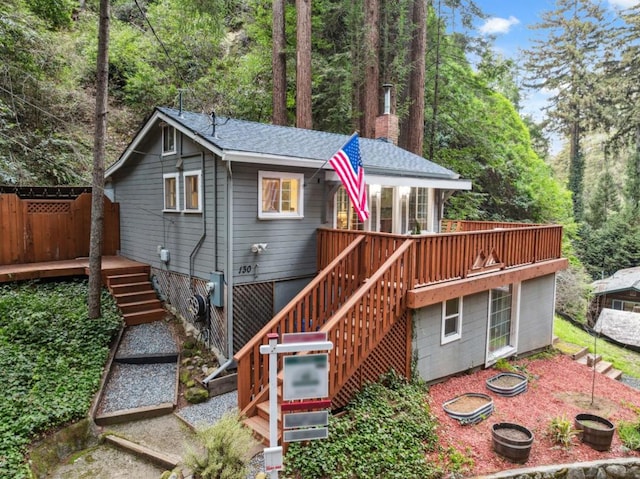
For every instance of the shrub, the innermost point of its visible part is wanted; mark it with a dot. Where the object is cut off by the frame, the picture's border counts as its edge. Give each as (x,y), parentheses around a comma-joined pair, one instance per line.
(561,431)
(227,445)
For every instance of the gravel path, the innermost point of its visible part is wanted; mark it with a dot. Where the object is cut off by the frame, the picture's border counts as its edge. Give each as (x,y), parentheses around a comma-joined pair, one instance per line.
(150,338)
(136,385)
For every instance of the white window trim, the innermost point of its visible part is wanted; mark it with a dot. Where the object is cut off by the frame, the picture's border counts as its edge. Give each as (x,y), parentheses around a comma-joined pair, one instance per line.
(164,192)
(279,215)
(166,128)
(512,348)
(458,334)
(185,175)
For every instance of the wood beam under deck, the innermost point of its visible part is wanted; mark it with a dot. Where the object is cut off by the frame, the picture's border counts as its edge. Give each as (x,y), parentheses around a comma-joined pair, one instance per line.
(427,295)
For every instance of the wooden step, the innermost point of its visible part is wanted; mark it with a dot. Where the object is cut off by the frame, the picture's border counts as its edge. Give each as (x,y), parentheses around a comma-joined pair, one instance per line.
(263,411)
(580,354)
(140,317)
(603,366)
(137,306)
(130,287)
(137,296)
(166,461)
(593,359)
(614,374)
(260,428)
(127,278)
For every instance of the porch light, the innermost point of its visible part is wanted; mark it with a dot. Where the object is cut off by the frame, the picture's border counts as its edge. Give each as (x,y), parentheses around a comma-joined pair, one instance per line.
(374,190)
(405,191)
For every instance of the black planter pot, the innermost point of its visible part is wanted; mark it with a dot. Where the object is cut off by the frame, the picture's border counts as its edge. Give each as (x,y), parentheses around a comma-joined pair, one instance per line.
(595,431)
(512,441)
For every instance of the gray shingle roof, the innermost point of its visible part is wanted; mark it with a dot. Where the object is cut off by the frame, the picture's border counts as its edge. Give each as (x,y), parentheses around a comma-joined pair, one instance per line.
(621,280)
(378,156)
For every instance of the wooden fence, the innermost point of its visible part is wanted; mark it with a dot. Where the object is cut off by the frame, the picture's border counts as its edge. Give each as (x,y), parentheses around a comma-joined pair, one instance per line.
(37,230)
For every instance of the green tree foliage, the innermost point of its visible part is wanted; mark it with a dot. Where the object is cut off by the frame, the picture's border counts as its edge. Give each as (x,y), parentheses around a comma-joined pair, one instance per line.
(564,62)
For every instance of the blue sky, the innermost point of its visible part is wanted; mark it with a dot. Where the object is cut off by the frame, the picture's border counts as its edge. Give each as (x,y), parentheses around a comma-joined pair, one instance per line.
(509,22)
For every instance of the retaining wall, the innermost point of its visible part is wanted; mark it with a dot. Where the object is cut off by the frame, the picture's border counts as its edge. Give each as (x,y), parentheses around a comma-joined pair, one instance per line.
(623,468)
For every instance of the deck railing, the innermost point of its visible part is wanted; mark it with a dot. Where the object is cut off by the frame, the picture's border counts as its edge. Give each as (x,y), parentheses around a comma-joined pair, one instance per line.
(450,256)
(456,226)
(308,311)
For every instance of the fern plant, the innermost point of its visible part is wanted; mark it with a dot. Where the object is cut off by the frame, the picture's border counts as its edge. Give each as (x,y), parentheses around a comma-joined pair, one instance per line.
(227,445)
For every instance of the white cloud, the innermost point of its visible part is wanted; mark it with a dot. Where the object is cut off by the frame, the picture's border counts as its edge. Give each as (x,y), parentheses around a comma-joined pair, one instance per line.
(497,25)
(622,4)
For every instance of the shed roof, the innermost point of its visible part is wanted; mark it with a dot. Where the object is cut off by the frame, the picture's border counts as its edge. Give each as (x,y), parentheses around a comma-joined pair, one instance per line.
(621,280)
(234,139)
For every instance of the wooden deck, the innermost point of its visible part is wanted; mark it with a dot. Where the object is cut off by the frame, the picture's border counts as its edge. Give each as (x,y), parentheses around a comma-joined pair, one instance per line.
(59,269)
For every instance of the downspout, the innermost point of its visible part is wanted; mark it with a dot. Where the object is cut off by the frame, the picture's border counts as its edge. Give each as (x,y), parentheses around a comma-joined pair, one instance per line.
(229,279)
(204,223)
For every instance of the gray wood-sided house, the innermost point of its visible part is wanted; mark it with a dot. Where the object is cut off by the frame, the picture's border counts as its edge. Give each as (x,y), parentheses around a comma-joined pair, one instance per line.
(248,230)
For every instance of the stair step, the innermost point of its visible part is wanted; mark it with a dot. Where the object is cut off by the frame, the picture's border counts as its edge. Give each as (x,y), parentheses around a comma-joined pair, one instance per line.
(614,374)
(603,366)
(140,317)
(134,297)
(580,354)
(263,411)
(136,306)
(260,428)
(593,359)
(131,287)
(167,461)
(127,278)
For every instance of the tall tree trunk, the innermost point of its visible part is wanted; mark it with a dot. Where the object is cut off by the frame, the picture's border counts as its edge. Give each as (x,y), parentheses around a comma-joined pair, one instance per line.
(415,133)
(303,67)
(371,90)
(436,88)
(97,200)
(576,170)
(279,64)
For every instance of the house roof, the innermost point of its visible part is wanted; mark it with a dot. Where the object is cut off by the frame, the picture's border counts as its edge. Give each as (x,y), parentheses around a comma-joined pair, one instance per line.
(622,280)
(623,326)
(240,140)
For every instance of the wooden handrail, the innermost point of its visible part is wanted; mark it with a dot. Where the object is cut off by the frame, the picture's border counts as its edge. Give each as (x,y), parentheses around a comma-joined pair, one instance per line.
(308,311)
(451,226)
(361,323)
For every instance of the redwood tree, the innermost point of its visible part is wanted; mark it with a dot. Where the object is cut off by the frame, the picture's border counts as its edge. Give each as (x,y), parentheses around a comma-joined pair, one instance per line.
(97,201)
(303,64)
(279,64)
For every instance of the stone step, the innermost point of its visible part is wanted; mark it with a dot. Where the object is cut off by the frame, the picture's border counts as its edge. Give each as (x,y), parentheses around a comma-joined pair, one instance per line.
(614,374)
(580,354)
(603,366)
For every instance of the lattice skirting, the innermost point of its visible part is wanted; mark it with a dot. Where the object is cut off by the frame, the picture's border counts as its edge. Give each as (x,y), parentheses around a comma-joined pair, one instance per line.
(393,352)
(176,290)
(252,310)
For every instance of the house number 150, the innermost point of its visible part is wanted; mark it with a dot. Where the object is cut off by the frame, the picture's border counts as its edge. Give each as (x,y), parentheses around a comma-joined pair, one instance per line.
(247,269)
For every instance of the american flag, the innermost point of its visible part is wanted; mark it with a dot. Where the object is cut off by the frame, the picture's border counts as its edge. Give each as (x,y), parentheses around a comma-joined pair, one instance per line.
(348,165)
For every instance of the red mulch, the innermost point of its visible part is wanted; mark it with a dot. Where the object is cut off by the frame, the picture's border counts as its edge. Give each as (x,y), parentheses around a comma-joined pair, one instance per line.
(559,387)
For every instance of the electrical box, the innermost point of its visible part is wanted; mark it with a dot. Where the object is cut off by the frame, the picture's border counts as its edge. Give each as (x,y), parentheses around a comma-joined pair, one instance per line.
(216,294)
(164,255)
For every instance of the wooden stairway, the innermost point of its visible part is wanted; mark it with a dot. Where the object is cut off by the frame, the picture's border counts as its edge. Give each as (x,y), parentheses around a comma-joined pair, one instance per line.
(367,304)
(134,294)
(595,361)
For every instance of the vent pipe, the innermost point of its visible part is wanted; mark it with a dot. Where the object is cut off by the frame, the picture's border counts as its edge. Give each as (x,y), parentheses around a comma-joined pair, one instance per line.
(387,98)
(213,124)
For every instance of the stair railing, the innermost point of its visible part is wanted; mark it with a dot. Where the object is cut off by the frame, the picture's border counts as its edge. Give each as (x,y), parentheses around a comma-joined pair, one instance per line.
(308,311)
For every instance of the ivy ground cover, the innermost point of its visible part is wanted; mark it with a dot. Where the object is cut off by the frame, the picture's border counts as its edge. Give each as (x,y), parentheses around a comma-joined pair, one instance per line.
(51,361)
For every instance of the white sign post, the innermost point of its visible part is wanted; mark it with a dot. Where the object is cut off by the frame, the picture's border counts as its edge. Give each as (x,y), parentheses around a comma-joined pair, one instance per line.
(310,378)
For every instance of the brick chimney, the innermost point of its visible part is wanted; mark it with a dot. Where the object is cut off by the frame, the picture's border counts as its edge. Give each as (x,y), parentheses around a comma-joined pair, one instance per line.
(387,123)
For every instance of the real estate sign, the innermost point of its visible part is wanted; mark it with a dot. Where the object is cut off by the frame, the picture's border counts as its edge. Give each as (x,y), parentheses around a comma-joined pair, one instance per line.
(306,377)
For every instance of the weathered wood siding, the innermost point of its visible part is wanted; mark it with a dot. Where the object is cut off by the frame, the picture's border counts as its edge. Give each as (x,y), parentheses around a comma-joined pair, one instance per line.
(436,361)
(138,186)
(291,250)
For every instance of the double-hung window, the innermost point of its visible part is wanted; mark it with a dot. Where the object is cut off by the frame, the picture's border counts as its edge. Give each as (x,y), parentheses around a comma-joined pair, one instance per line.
(168,140)
(192,191)
(451,320)
(280,195)
(171,191)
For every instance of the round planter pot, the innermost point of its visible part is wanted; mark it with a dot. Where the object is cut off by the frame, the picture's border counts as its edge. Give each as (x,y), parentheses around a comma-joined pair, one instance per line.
(595,431)
(512,441)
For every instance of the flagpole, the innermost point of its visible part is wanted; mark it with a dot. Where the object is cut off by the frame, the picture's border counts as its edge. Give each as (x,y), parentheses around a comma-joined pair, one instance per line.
(327,161)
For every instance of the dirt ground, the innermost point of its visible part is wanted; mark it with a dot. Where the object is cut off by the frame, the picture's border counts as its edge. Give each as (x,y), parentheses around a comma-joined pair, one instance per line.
(558,387)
